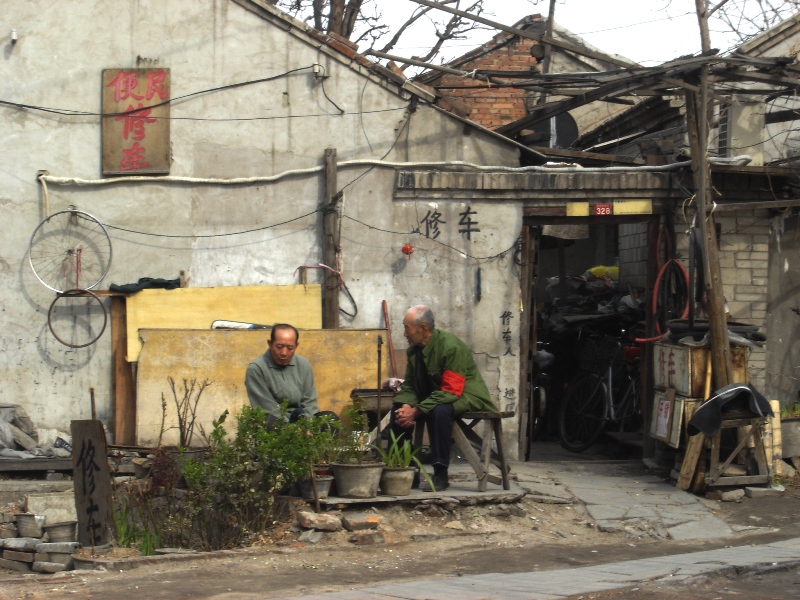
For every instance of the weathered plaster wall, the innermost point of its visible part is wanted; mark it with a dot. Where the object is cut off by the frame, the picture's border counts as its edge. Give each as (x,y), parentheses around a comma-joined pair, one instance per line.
(783,322)
(259,129)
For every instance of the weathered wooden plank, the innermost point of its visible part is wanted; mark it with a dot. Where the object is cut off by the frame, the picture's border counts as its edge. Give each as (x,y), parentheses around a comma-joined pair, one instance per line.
(197,308)
(92,483)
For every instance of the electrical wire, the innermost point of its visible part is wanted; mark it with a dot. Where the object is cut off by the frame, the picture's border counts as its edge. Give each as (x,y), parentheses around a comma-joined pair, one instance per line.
(419,233)
(213,235)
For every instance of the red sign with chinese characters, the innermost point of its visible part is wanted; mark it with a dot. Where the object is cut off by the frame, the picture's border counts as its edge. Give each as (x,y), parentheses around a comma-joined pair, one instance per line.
(602,210)
(135,121)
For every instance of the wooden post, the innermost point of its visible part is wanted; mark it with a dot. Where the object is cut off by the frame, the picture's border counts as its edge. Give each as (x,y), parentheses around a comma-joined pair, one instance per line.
(92,483)
(646,378)
(330,243)
(124,387)
(697,125)
(527,341)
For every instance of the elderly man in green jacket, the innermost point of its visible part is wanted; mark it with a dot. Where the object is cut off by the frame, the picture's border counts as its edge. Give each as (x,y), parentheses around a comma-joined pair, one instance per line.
(442,382)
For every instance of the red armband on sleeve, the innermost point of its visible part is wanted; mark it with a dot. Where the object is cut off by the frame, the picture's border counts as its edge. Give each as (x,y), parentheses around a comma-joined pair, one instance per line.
(453,383)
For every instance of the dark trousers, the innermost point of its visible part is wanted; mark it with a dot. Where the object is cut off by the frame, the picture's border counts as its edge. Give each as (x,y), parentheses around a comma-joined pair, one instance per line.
(440,431)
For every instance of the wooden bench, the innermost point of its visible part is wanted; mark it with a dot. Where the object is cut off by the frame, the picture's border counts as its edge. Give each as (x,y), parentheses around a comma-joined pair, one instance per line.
(467,440)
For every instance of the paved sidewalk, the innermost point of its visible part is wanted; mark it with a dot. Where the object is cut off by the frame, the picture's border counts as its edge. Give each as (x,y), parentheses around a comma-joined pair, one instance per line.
(561,583)
(644,505)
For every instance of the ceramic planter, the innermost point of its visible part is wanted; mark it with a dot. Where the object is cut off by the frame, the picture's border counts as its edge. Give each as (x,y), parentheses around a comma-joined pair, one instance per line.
(397,481)
(323,487)
(29,525)
(61,532)
(357,480)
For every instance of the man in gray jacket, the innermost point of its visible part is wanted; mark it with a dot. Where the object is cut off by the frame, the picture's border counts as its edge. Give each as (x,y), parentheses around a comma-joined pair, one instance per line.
(280,375)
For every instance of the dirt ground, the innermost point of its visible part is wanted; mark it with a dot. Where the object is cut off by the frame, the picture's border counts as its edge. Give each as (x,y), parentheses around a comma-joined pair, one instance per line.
(433,542)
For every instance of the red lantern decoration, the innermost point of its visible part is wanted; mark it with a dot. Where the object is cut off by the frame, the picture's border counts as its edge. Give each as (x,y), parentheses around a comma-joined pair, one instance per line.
(407,250)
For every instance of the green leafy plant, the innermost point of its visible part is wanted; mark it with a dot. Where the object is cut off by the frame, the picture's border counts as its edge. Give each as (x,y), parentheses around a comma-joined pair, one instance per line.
(401,455)
(791,411)
(232,492)
(352,439)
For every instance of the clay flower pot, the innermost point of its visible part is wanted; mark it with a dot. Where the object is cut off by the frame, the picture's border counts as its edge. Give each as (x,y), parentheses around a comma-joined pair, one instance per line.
(397,481)
(357,480)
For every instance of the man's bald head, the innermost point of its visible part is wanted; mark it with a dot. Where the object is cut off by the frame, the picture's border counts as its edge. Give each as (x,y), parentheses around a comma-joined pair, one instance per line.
(418,325)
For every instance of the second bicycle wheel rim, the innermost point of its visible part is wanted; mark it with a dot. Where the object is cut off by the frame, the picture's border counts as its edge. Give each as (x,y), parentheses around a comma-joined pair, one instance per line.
(94,336)
(69,250)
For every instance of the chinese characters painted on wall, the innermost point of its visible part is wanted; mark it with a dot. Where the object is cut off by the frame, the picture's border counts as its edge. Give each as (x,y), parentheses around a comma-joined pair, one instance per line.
(135,121)
(431,224)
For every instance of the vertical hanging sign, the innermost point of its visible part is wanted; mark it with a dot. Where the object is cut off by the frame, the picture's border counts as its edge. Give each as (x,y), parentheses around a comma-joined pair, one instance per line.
(135,121)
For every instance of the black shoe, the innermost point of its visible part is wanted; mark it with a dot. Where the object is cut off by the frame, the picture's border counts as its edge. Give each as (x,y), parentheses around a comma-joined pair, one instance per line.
(440,483)
(415,482)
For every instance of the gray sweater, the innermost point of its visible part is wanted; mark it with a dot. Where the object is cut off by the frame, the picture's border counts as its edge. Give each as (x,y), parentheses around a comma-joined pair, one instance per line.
(269,384)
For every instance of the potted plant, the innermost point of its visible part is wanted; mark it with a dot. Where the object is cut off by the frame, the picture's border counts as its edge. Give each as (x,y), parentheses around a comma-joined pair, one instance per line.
(356,473)
(400,465)
(323,442)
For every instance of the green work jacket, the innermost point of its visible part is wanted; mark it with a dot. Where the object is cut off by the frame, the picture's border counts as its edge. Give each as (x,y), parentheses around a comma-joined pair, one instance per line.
(445,352)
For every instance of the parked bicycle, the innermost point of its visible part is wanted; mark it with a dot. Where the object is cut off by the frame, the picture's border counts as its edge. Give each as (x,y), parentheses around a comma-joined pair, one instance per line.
(607,393)
(538,390)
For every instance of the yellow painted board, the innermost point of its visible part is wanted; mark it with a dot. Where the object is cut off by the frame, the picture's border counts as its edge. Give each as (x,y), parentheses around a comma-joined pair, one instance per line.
(197,308)
(342,359)
(633,207)
(577,209)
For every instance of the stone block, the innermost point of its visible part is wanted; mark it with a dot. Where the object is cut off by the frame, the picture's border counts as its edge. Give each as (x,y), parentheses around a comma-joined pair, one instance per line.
(58,508)
(49,567)
(732,495)
(321,521)
(40,556)
(26,557)
(60,558)
(310,536)
(9,530)
(24,544)
(760,492)
(66,547)
(360,521)
(15,566)
(367,538)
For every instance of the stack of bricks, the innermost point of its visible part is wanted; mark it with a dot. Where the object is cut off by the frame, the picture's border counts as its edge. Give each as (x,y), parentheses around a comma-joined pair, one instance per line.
(27,554)
(8,522)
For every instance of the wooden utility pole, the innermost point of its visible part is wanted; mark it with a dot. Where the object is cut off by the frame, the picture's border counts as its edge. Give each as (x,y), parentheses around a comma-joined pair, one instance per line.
(330,243)
(722,367)
(697,123)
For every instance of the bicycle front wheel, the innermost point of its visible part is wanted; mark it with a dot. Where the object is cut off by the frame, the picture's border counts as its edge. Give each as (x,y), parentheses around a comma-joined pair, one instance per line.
(582,414)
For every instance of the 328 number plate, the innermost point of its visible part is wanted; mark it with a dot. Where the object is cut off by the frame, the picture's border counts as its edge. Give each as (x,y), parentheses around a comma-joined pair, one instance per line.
(602,210)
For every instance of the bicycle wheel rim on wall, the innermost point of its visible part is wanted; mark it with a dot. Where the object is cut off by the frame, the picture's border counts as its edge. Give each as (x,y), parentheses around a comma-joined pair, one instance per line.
(70,250)
(76,322)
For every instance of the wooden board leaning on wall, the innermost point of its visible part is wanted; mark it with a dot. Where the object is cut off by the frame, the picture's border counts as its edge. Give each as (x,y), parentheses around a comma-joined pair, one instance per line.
(197,308)
(342,359)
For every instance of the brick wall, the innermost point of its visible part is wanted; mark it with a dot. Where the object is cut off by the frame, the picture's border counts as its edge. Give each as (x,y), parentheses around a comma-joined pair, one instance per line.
(632,240)
(744,253)
(493,107)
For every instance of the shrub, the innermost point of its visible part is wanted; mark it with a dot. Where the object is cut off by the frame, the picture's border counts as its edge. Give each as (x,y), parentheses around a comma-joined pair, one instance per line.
(232,493)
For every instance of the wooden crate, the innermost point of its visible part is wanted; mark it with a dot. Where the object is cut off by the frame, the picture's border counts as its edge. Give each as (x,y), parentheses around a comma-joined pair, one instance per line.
(684,368)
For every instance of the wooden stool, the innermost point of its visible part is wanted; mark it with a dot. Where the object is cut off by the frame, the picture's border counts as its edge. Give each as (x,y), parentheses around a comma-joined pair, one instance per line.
(715,471)
(465,438)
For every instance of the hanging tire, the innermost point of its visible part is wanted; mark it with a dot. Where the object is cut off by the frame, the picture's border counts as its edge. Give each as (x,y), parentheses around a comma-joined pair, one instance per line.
(582,415)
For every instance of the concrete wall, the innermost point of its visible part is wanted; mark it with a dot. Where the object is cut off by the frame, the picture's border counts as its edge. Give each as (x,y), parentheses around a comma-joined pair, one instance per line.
(57,62)
(783,322)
